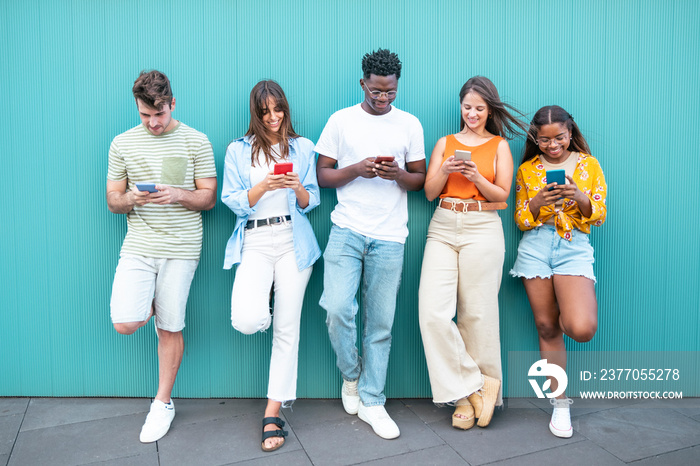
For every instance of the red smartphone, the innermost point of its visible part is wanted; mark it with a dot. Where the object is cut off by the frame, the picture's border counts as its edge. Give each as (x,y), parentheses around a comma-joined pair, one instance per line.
(283,168)
(383,158)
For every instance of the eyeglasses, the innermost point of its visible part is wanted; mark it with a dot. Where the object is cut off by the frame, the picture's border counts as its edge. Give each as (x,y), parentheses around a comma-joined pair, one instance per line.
(547,141)
(378,94)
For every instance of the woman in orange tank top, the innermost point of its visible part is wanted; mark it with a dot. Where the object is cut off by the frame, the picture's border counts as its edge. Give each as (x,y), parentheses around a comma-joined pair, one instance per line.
(471,172)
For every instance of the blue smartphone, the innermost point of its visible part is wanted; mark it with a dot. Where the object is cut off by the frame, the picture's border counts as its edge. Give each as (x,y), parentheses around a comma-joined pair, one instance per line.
(556,176)
(148,187)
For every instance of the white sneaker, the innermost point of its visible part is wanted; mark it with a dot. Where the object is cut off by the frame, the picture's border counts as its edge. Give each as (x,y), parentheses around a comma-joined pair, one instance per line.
(350,396)
(378,418)
(561,418)
(158,421)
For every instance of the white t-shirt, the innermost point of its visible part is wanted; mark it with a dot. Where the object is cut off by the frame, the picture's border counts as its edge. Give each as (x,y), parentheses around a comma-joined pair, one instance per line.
(372,207)
(272,203)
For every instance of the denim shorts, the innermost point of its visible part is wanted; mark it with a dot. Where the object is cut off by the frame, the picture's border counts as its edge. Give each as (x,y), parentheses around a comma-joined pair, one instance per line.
(543,253)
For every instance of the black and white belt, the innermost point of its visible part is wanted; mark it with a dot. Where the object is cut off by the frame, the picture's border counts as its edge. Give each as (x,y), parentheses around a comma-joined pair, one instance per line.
(261,222)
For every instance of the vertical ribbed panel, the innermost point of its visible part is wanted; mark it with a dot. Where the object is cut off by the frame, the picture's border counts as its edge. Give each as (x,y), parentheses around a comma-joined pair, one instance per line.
(627,71)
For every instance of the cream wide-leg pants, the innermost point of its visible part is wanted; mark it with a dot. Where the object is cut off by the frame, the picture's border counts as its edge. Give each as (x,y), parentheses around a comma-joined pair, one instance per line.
(461,274)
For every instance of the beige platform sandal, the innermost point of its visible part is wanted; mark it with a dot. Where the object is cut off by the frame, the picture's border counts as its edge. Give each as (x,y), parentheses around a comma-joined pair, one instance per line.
(463,417)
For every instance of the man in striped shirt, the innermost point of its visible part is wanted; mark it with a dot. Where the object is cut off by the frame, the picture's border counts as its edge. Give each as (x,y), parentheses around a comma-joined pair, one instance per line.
(164,229)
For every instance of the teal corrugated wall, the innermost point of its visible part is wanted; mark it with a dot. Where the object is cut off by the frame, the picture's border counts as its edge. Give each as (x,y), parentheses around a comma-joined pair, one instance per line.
(627,70)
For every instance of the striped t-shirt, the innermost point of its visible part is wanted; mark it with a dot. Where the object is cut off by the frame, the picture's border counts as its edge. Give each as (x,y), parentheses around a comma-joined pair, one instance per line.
(176,158)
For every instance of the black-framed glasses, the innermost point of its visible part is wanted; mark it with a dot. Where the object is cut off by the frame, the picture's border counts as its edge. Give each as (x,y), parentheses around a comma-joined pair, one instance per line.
(378,94)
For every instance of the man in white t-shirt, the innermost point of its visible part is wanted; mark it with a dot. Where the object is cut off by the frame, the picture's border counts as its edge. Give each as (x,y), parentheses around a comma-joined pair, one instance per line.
(372,153)
(164,229)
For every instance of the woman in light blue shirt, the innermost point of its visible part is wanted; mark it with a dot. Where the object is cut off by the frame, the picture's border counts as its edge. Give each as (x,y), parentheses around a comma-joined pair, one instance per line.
(270,184)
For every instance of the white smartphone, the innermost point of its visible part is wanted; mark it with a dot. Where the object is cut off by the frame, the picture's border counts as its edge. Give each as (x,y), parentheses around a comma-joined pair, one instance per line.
(464,155)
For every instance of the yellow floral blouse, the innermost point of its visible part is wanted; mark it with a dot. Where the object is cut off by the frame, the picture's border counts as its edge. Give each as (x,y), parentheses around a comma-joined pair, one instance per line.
(588,177)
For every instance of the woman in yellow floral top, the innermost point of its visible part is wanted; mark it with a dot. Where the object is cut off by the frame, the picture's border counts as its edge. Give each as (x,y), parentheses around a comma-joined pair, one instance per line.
(555,257)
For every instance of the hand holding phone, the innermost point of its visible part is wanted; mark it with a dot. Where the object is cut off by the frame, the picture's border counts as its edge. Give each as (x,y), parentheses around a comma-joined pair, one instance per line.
(555,176)
(385,168)
(283,168)
(147,187)
(463,155)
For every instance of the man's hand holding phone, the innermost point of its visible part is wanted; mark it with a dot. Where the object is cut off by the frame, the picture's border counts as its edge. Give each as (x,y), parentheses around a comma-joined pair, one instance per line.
(386,167)
(140,196)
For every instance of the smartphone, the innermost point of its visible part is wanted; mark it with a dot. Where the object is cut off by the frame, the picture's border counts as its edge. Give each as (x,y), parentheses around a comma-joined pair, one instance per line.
(147,187)
(464,155)
(283,168)
(383,158)
(555,176)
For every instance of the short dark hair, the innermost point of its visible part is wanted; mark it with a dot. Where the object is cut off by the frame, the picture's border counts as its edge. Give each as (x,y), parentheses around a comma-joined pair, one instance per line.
(381,63)
(153,88)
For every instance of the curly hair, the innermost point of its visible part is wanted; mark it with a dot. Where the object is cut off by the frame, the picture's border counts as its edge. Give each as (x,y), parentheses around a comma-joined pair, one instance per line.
(153,89)
(381,63)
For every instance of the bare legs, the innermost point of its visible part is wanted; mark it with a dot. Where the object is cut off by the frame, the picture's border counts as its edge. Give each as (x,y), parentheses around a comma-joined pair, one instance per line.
(563,304)
(170,349)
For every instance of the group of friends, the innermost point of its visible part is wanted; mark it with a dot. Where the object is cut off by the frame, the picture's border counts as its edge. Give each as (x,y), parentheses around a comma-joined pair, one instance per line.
(162,175)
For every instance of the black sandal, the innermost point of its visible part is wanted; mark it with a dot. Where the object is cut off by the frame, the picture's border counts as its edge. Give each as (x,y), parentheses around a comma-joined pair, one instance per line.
(273,433)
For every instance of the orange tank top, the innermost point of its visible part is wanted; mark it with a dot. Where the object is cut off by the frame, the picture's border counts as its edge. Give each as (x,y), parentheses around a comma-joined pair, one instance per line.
(483,155)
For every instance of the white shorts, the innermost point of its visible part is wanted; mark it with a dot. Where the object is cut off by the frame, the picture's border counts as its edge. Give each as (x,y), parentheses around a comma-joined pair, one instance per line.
(139,279)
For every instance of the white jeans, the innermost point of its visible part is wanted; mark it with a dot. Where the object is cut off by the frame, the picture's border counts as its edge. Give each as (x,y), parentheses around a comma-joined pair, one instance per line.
(267,257)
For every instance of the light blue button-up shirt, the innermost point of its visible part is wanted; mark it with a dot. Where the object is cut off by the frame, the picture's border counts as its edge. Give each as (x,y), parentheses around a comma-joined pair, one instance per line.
(235,195)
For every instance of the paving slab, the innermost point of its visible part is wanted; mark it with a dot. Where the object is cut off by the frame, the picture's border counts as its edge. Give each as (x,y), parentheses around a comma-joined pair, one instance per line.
(635,433)
(440,455)
(427,411)
(219,441)
(518,403)
(305,412)
(583,453)
(351,440)
(147,459)
(11,406)
(294,458)
(51,412)
(82,442)
(9,428)
(581,407)
(189,411)
(511,433)
(684,456)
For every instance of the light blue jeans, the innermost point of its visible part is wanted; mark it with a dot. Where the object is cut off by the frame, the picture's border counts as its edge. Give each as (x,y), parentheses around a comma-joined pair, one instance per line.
(346,255)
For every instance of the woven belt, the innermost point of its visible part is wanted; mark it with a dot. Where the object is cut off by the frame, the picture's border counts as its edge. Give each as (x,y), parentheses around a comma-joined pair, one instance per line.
(261,222)
(460,206)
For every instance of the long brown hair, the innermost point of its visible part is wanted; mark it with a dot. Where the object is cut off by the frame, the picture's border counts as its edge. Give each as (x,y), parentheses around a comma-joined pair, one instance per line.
(546,116)
(264,138)
(501,122)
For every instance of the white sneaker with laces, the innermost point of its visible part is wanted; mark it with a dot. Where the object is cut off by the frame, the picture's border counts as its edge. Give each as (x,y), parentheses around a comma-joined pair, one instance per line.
(560,424)
(350,396)
(378,418)
(158,421)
